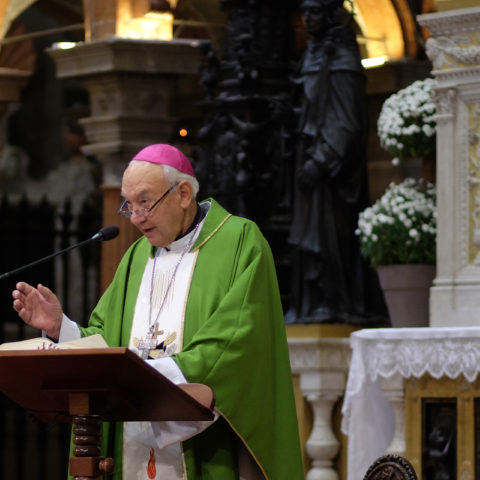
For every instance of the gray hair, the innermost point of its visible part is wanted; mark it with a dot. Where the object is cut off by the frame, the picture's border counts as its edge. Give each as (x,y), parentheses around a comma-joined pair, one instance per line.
(173,176)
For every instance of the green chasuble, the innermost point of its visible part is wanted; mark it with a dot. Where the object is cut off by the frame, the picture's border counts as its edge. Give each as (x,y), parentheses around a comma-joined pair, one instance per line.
(234,341)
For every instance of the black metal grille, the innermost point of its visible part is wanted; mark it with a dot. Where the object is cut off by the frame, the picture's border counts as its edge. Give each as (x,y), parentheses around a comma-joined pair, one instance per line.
(30,449)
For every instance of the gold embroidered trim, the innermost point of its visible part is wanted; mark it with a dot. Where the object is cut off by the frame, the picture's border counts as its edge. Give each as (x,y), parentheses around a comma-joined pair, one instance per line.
(184,463)
(213,233)
(244,443)
(187,293)
(154,249)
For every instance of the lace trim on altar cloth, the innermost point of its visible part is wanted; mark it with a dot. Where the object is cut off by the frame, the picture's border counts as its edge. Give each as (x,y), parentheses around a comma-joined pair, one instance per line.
(368,418)
(415,352)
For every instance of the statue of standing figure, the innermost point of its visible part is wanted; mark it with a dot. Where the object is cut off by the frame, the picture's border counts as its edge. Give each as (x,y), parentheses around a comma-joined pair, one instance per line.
(331,281)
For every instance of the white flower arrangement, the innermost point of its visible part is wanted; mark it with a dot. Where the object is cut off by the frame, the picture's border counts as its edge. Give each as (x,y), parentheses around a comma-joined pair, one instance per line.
(401,226)
(407,122)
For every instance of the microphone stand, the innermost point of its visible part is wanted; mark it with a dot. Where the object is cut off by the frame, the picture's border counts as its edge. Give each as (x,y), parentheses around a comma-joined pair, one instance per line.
(110,233)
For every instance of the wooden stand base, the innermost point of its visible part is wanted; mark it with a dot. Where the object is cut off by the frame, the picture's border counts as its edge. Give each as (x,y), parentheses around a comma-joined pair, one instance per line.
(86,387)
(87,462)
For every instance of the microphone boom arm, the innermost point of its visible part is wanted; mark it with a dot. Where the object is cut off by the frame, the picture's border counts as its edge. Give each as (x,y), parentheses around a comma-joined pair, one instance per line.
(106,233)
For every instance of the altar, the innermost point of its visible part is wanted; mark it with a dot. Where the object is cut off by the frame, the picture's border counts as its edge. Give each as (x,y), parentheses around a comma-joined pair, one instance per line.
(373,423)
(396,383)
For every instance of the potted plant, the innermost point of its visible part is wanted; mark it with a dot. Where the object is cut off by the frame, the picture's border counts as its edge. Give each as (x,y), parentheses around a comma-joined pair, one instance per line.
(407,125)
(398,235)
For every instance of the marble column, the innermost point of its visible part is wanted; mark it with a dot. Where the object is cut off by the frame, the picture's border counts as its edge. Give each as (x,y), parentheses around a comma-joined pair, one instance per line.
(322,365)
(454,51)
(12,167)
(12,82)
(394,390)
(134,94)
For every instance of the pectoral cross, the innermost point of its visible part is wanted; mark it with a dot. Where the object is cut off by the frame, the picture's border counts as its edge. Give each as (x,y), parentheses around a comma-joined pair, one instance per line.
(150,341)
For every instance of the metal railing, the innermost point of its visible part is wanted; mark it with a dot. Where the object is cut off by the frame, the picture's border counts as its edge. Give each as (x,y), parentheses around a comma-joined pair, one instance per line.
(30,449)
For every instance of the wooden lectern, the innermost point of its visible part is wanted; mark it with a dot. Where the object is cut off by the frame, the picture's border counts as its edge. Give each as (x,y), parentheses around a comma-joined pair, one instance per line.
(89,386)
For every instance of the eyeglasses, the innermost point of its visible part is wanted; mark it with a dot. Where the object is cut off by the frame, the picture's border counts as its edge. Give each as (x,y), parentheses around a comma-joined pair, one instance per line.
(127,210)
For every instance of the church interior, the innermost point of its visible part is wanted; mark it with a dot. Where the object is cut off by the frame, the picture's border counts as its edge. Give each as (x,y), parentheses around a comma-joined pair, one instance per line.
(84,84)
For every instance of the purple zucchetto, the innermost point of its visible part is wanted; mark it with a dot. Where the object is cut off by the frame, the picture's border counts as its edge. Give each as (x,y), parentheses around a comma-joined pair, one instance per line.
(164,154)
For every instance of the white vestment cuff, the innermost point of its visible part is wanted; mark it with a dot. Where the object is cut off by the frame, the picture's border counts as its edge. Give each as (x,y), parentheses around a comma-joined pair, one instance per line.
(168,433)
(69,330)
(168,368)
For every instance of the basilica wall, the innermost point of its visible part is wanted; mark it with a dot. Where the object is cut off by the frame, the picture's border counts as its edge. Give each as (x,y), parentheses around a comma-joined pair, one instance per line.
(55,121)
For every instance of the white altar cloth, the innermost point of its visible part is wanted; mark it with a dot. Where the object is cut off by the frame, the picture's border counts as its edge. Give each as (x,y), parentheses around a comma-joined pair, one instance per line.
(367,416)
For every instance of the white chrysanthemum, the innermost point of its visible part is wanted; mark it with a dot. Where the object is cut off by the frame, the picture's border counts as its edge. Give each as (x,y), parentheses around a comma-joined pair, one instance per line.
(400,227)
(407,122)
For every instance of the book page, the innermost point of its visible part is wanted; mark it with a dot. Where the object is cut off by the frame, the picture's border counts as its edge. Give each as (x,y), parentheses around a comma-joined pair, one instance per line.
(43,343)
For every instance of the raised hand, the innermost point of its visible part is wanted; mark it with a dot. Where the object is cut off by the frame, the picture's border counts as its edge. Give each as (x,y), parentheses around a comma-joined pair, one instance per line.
(38,307)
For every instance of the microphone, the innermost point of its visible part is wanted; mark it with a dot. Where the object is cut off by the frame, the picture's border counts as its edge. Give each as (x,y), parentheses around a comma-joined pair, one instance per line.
(104,234)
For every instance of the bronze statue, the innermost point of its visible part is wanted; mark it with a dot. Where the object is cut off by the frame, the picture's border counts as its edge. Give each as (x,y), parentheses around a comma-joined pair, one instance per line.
(331,282)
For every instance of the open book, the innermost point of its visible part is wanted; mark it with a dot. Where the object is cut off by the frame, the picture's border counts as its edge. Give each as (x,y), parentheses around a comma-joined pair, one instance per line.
(43,343)
(201,393)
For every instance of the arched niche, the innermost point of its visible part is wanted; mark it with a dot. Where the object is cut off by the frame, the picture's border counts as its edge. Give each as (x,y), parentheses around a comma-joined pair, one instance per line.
(388,28)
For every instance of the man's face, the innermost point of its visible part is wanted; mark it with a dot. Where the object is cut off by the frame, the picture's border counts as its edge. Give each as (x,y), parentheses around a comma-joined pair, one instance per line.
(142,185)
(314,17)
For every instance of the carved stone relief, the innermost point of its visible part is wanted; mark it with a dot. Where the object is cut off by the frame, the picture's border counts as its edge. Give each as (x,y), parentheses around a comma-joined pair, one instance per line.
(448,52)
(474,181)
